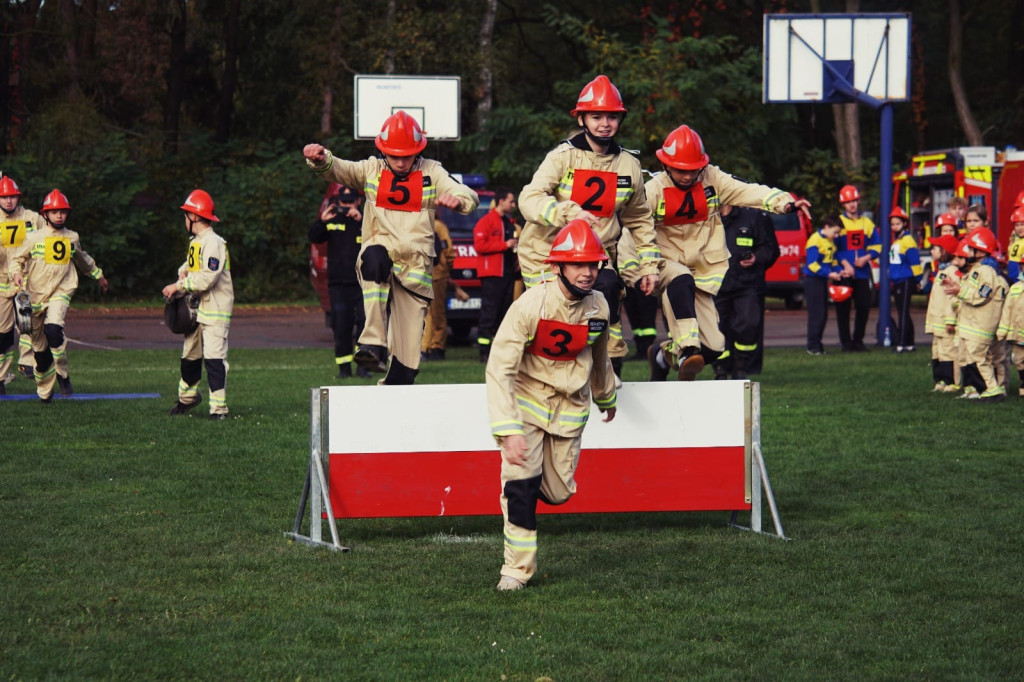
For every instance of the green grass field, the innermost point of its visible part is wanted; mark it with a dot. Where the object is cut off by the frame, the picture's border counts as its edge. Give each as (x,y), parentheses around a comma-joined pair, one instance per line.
(135,545)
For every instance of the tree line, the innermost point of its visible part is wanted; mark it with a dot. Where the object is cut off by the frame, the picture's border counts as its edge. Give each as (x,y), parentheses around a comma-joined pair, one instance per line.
(128,105)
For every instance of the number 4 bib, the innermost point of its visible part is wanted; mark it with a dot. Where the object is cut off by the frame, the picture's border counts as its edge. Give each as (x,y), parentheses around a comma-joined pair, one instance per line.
(684,206)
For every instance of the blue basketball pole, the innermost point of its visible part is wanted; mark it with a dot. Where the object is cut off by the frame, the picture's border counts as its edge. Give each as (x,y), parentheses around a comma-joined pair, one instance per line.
(885,201)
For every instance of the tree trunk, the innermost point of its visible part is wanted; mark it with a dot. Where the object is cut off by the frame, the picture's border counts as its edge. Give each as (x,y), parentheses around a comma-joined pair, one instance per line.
(389,55)
(22,19)
(484,94)
(87,31)
(334,61)
(175,75)
(67,14)
(229,81)
(846,118)
(956,81)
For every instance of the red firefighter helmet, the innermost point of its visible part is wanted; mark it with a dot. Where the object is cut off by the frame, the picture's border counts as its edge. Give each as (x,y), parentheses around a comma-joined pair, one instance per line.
(599,95)
(945,219)
(55,201)
(946,242)
(963,249)
(1020,199)
(848,193)
(898,212)
(683,149)
(982,239)
(401,136)
(200,203)
(1016,217)
(840,292)
(577,243)
(8,187)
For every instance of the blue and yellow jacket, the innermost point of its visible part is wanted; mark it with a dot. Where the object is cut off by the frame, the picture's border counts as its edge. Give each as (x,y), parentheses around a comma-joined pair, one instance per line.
(858,237)
(821,256)
(904,260)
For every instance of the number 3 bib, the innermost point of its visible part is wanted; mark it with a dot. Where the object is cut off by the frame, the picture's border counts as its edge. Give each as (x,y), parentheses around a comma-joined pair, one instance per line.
(556,340)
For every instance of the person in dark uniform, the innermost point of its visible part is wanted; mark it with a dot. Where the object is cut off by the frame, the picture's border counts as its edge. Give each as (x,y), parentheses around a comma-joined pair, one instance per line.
(340,225)
(495,241)
(740,302)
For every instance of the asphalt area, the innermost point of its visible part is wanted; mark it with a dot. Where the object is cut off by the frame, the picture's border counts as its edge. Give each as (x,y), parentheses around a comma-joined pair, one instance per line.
(302,326)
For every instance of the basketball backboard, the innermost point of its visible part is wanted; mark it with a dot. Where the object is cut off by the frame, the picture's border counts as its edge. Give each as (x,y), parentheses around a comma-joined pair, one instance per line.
(432,100)
(812,57)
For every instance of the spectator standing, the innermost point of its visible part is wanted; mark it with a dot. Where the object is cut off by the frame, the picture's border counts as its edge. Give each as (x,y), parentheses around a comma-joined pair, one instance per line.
(753,249)
(905,272)
(495,241)
(340,225)
(858,244)
(396,262)
(435,327)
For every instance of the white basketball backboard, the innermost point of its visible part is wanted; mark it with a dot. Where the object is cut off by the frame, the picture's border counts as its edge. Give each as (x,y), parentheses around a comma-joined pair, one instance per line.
(432,100)
(807,56)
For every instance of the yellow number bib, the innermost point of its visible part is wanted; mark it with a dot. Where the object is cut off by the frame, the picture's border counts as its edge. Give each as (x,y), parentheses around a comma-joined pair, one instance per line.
(12,233)
(58,250)
(195,256)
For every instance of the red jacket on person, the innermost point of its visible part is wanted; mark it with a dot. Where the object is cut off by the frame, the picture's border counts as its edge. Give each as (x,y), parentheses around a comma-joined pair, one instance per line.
(490,243)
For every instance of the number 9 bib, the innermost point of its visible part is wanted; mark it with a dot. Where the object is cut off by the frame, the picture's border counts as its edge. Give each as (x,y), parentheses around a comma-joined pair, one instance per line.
(58,250)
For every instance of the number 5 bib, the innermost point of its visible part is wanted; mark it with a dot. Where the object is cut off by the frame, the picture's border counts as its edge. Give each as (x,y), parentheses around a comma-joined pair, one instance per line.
(400,194)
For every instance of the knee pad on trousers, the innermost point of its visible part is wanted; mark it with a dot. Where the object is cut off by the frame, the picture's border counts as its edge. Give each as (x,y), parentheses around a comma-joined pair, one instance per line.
(970,376)
(376,265)
(216,373)
(398,374)
(522,502)
(944,371)
(709,355)
(54,334)
(610,285)
(554,503)
(6,341)
(191,371)
(681,293)
(44,360)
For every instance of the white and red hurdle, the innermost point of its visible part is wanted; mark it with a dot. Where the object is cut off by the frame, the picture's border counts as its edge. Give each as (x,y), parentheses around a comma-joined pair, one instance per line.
(426,450)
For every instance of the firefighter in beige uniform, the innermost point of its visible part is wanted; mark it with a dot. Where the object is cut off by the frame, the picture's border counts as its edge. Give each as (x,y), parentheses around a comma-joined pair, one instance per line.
(548,359)
(981,292)
(207,273)
(589,176)
(397,258)
(16,222)
(686,200)
(53,256)
(940,316)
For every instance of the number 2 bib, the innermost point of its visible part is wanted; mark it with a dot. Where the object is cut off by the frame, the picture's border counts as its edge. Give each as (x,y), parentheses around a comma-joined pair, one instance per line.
(684,206)
(556,340)
(594,191)
(400,194)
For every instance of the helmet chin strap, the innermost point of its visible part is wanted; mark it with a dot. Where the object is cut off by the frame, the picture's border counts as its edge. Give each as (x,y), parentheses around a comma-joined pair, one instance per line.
(578,293)
(400,176)
(191,223)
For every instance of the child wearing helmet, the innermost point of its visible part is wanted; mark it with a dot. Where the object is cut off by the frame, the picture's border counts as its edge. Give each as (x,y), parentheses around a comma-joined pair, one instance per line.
(589,176)
(981,292)
(206,273)
(16,222)
(395,264)
(859,243)
(1015,252)
(47,264)
(821,270)
(686,201)
(548,360)
(940,317)
(905,273)
(1011,322)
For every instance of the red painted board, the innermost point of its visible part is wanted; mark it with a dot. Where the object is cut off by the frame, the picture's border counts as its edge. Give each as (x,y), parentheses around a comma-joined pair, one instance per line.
(377,485)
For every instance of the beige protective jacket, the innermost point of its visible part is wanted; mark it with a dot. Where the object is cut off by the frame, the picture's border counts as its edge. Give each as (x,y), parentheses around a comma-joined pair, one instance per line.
(400,214)
(941,307)
(207,272)
(13,230)
(534,387)
(51,259)
(572,179)
(689,226)
(1011,322)
(982,292)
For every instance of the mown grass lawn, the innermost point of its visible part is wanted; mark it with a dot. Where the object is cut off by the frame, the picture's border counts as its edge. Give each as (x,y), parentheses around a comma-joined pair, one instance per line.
(135,545)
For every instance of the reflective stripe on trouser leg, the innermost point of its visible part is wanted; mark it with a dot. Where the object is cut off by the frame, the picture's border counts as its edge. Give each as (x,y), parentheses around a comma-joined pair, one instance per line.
(6,352)
(45,373)
(405,326)
(610,285)
(25,355)
(676,289)
(217,379)
(548,475)
(999,359)
(982,376)
(57,342)
(435,328)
